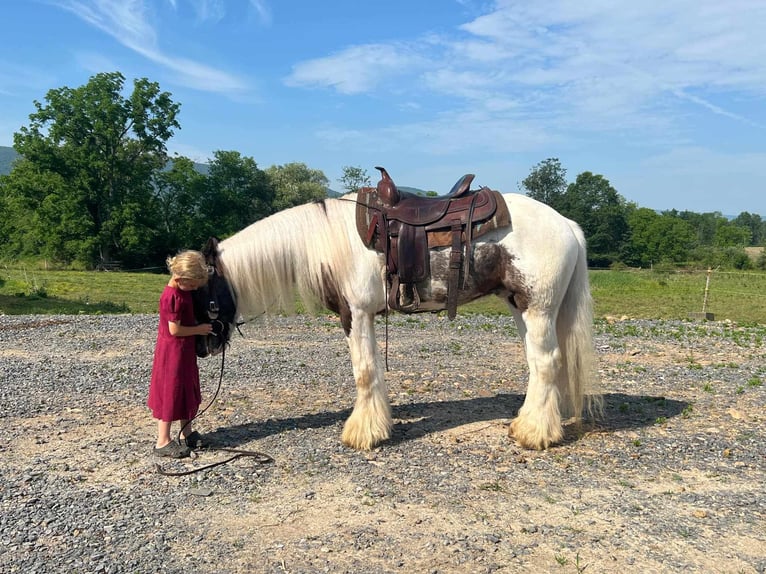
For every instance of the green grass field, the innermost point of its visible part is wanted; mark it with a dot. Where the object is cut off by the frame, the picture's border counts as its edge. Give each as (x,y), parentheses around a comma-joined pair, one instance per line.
(734,296)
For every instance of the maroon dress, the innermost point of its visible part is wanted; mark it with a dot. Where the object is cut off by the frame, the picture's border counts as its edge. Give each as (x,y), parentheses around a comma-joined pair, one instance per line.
(174,392)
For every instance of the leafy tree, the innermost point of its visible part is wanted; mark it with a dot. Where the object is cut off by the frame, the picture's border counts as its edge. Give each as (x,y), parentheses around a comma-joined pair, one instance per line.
(601,212)
(754,223)
(295,184)
(656,238)
(237,194)
(705,224)
(724,257)
(547,182)
(353,178)
(39,218)
(180,193)
(729,235)
(100,148)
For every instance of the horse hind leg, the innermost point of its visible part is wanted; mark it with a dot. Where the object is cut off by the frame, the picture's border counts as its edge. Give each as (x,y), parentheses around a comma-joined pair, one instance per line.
(370,422)
(538,424)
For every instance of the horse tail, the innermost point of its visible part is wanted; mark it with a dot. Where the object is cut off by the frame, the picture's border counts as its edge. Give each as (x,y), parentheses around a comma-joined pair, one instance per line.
(575,334)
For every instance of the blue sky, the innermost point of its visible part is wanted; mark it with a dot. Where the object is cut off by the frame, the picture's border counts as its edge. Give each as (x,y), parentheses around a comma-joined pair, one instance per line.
(667,100)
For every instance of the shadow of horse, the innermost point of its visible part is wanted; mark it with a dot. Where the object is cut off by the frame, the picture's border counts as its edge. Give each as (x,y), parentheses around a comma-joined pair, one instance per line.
(415,420)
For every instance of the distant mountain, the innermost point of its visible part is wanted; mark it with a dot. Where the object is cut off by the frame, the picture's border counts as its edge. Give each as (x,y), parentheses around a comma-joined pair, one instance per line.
(7,156)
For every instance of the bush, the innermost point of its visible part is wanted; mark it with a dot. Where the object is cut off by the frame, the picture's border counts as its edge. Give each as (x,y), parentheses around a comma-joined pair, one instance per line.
(721,257)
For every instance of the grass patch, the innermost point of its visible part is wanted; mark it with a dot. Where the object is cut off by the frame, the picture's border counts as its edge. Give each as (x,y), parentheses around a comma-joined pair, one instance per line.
(647,294)
(24,291)
(738,297)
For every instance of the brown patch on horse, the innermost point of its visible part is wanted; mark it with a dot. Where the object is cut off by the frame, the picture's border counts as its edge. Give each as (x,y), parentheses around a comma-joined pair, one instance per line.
(493,271)
(334,302)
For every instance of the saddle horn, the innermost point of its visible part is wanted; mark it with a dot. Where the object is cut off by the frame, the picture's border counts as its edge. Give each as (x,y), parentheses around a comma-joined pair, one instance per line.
(387,191)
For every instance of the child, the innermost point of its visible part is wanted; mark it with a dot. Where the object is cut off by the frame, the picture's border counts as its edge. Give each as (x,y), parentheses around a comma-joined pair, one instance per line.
(174,392)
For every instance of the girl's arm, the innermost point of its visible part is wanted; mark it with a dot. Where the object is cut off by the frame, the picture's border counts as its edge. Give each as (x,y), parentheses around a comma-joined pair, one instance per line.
(178,330)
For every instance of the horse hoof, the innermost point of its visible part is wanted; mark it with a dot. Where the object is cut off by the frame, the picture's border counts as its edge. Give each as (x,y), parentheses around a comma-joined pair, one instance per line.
(533,437)
(360,438)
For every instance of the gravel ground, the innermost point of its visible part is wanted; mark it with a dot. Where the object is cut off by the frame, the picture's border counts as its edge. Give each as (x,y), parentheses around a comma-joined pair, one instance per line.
(671,480)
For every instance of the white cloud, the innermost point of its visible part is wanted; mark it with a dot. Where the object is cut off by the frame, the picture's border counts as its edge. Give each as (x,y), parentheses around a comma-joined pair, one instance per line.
(356,69)
(644,50)
(127,21)
(262,9)
(593,65)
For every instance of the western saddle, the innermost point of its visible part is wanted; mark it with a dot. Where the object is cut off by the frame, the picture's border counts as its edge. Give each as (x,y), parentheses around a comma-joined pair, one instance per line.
(404,227)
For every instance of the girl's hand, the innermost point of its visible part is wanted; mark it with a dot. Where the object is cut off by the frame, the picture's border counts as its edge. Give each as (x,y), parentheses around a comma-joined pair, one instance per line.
(205,328)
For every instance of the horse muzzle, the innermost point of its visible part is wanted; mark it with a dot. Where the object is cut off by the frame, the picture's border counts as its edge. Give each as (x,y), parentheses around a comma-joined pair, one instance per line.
(214,343)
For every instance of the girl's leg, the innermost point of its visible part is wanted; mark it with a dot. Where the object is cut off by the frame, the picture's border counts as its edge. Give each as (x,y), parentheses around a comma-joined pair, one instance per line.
(186,428)
(163,433)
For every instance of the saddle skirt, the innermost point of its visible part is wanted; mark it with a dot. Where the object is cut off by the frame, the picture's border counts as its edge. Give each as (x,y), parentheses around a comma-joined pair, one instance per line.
(405,228)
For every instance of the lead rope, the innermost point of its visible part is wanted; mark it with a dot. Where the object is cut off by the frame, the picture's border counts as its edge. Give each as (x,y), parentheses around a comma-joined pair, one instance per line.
(260,457)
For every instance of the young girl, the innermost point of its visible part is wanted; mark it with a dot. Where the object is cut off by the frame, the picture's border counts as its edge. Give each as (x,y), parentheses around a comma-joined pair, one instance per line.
(174,392)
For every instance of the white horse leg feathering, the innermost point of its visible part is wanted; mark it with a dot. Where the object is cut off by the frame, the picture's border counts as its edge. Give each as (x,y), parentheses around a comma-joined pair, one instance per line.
(370,421)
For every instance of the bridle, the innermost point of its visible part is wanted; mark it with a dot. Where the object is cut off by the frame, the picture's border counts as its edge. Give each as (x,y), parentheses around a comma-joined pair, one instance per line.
(215,303)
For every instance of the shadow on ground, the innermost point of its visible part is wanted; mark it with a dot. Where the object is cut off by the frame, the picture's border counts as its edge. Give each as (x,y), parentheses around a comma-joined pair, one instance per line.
(416,420)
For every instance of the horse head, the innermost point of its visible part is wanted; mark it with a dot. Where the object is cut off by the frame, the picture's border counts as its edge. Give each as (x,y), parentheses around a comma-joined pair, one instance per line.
(214,303)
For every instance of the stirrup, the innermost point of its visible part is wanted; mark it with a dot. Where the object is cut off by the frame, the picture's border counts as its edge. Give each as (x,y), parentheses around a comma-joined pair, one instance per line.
(414,302)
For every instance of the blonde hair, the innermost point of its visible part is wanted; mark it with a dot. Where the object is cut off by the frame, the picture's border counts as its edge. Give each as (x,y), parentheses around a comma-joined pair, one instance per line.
(188,265)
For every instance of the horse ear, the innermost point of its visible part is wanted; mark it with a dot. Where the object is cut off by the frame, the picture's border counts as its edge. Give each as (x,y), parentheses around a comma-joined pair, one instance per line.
(210,251)
(211,247)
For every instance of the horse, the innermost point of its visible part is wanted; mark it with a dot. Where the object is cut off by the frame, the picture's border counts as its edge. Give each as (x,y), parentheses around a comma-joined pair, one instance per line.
(314,252)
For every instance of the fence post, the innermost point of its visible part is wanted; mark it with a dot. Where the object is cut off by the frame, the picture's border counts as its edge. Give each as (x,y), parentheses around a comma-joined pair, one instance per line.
(707,289)
(705,315)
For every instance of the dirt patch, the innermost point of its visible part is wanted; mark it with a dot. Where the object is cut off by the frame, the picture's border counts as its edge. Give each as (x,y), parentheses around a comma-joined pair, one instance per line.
(670,480)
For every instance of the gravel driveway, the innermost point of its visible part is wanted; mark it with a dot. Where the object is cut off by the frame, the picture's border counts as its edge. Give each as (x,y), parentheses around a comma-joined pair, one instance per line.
(671,480)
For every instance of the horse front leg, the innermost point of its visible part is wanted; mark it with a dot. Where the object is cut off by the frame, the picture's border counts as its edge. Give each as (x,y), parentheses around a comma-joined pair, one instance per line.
(538,424)
(370,422)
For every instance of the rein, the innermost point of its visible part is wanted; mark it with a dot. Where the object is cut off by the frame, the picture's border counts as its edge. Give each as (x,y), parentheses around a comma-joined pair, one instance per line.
(260,458)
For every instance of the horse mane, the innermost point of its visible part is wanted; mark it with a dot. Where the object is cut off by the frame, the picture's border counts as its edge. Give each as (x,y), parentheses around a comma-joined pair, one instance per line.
(298,253)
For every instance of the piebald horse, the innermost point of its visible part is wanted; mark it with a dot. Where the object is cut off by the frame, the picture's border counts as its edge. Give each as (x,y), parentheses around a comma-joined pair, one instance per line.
(314,252)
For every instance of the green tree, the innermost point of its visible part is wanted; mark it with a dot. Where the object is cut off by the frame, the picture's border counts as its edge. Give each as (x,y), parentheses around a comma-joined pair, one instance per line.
(547,182)
(727,234)
(180,193)
(237,194)
(657,238)
(295,184)
(754,223)
(39,218)
(101,148)
(704,224)
(601,212)
(353,178)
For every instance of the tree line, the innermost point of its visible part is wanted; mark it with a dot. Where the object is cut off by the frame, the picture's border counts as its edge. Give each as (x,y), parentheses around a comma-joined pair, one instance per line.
(620,233)
(94,185)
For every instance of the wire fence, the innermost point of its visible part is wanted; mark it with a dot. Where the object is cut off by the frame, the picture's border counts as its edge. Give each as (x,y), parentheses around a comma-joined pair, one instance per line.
(712,294)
